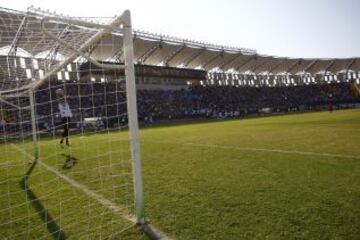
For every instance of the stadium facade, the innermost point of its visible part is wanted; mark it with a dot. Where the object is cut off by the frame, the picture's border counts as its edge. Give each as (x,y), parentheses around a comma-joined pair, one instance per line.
(164,61)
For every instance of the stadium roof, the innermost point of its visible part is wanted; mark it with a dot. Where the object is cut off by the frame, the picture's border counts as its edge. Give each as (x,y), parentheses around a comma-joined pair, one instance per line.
(161,50)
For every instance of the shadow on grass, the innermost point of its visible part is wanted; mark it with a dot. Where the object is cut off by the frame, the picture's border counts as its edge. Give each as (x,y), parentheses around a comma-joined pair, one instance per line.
(70,161)
(44,214)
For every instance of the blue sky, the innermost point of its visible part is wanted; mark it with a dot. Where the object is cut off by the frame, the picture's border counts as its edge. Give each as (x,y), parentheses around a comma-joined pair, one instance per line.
(291,28)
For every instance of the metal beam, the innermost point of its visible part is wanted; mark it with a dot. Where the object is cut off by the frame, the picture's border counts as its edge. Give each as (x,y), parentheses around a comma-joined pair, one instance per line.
(271,69)
(213,58)
(188,61)
(54,50)
(13,46)
(258,66)
(310,65)
(174,54)
(117,55)
(350,64)
(298,62)
(329,65)
(246,62)
(149,52)
(231,61)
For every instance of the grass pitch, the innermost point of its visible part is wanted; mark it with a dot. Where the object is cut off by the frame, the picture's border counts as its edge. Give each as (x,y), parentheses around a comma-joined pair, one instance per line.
(283,177)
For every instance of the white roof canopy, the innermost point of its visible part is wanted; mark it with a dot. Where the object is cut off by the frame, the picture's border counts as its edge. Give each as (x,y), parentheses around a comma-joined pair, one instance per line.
(160,50)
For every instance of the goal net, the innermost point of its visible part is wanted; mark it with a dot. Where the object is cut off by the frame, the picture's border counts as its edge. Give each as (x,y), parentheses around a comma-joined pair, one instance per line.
(69,163)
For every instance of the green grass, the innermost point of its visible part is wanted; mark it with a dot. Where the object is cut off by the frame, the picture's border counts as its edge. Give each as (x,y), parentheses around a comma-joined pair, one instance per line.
(283,177)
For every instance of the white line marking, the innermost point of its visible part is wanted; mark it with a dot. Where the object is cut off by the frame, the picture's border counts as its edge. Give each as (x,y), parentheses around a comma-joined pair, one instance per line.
(105,202)
(102,200)
(264,150)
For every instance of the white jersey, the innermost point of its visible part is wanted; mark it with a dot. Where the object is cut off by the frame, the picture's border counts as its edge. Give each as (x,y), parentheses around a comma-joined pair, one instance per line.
(64,110)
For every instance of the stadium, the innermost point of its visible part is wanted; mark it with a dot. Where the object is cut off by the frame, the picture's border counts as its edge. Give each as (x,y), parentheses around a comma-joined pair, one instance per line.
(107,132)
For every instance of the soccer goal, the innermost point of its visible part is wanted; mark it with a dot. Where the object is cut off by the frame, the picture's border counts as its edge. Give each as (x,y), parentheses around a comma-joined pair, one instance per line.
(70,154)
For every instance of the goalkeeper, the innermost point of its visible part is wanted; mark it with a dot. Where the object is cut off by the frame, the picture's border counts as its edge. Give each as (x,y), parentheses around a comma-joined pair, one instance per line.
(65,114)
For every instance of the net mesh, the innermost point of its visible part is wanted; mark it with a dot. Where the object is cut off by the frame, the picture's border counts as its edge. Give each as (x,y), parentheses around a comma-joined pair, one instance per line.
(82,185)
(22,36)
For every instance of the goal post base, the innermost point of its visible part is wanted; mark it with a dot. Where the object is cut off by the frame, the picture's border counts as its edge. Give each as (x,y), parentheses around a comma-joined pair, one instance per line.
(151,232)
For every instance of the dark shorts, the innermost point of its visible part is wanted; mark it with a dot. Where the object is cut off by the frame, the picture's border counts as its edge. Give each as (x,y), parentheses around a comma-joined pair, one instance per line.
(65,120)
(65,123)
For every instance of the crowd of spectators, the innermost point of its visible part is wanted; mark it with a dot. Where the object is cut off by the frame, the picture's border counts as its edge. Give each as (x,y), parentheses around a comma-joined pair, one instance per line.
(228,101)
(108,103)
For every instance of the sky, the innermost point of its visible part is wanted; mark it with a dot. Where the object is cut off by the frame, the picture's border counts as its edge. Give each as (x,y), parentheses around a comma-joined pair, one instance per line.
(286,28)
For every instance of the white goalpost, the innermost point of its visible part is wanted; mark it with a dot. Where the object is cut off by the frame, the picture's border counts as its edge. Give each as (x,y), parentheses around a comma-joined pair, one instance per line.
(69,127)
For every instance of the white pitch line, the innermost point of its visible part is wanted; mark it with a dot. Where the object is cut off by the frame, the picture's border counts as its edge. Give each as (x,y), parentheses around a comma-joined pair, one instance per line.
(333,155)
(102,200)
